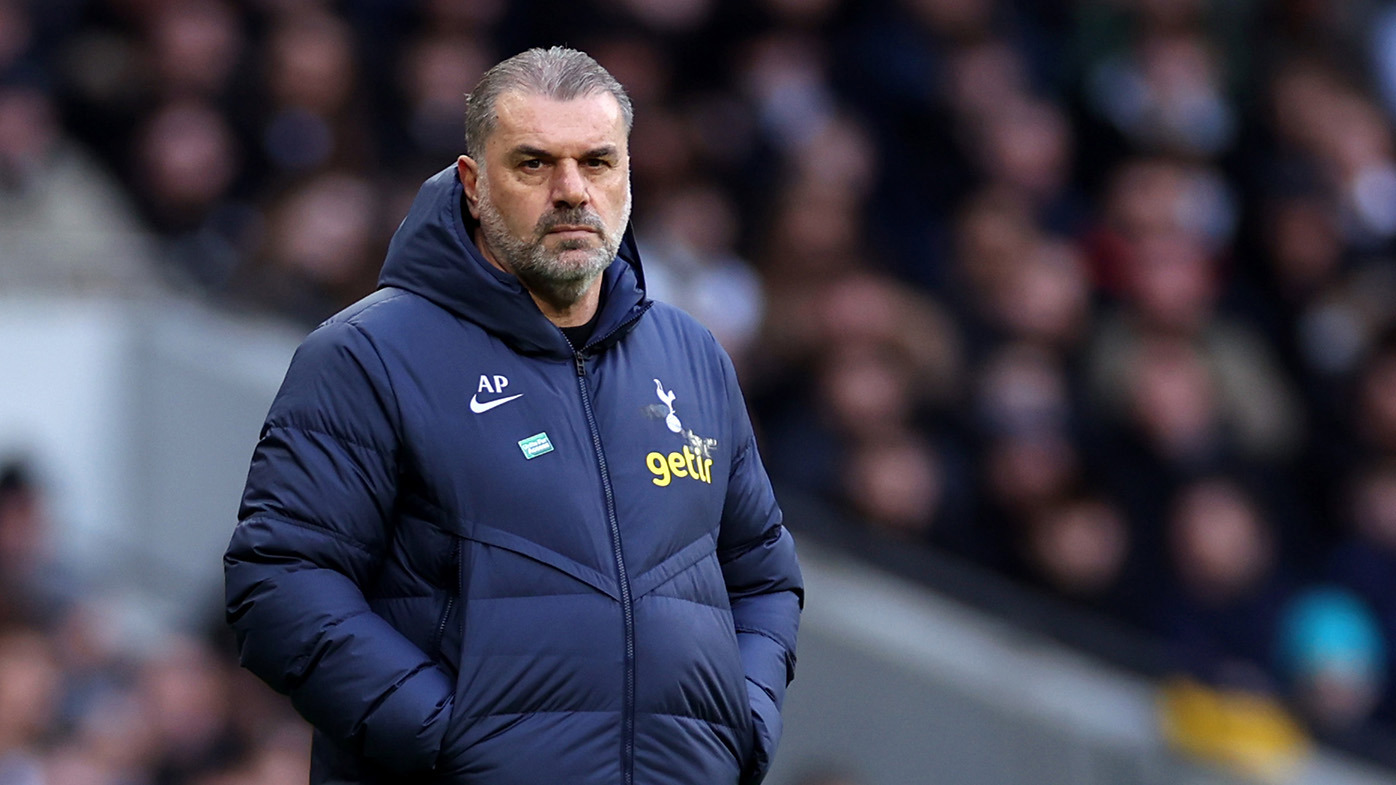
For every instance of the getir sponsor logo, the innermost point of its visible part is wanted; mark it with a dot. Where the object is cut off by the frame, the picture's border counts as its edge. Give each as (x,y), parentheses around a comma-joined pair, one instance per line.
(679,464)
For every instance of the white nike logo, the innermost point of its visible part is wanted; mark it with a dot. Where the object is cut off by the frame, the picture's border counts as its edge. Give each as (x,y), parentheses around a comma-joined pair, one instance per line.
(481,408)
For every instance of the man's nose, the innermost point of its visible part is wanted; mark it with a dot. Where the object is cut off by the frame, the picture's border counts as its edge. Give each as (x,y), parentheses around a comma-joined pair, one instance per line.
(569,186)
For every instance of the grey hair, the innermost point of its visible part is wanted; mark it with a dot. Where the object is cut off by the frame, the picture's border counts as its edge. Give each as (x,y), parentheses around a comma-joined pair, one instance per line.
(558,73)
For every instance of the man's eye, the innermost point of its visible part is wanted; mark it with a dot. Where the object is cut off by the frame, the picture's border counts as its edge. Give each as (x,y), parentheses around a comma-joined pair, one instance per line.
(532,163)
(596,163)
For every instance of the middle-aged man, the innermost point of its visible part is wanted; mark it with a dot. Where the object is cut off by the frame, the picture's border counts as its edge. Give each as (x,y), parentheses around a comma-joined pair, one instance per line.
(506,523)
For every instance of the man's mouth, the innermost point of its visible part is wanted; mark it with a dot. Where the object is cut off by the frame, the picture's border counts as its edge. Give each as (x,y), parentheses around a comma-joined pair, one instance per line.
(572,229)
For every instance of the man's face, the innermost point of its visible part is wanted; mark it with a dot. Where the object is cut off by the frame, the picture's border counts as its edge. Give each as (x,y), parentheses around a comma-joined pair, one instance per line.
(552,194)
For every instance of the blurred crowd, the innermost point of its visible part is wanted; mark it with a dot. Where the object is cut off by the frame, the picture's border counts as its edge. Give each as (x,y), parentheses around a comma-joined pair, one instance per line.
(84,702)
(1098,294)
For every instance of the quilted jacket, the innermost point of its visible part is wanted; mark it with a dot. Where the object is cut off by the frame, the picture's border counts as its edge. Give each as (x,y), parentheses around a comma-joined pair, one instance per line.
(471,552)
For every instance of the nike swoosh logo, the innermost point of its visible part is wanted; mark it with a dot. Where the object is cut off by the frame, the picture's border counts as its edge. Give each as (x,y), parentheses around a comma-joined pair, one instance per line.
(481,408)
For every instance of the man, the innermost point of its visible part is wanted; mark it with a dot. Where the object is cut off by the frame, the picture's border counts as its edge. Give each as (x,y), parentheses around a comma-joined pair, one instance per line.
(506,523)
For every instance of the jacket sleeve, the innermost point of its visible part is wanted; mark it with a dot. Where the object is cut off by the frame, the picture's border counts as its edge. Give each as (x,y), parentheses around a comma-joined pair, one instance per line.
(763,584)
(313,528)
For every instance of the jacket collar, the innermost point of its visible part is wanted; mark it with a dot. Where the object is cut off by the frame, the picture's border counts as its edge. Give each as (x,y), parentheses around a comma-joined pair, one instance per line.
(432,254)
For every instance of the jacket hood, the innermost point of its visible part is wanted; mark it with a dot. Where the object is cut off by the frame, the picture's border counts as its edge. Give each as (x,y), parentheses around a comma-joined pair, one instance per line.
(432,254)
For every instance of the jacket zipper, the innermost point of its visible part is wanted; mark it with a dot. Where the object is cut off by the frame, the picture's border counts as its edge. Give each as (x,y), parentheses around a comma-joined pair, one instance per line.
(627,610)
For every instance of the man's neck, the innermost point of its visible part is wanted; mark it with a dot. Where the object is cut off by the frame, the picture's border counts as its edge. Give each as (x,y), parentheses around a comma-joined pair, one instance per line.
(573,314)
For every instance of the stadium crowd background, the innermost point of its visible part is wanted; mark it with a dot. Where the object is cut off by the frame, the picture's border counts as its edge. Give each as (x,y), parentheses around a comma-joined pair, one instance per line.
(1099,296)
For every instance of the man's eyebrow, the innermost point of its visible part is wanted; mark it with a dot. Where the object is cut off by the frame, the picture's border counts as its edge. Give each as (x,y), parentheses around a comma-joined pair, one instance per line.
(527,151)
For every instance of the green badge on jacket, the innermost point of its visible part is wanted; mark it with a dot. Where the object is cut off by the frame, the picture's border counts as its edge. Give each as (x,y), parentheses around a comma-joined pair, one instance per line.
(535,445)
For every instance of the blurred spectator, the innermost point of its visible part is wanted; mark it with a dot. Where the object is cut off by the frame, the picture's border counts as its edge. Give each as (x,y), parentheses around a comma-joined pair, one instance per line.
(995,231)
(1325,125)
(812,237)
(1025,146)
(1164,266)
(1333,657)
(1166,94)
(859,393)
(1024,389)
(1382,46)
(1018,282)
(437,72)
(867,393)
(29,684)
(1160,201)
(838,159)
(899,486)
(866,311)
(64,224)
(313,117)
(1028,457)
(1023,472)
(195,49)
(1364,560)
(1046,299)
(640,63)
(1374,422)
(1345,323)
(187,161)
(787,82)
(184,692)
(1176,424)
(865,365)
(320,251)
(1310,302)
(985,76)
(107,725)
(34,586)
(691,262)
(1079,548)
(16,36)
(1175,408)
(1227,589)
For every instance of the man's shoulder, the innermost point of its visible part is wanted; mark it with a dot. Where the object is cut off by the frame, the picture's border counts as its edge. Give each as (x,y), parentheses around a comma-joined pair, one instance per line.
(385,306)
(390,313)
(676,321)
(678,333)
(389,321)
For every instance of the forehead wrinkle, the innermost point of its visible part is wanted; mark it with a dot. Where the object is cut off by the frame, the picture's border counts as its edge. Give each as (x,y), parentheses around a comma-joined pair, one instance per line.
(545,124)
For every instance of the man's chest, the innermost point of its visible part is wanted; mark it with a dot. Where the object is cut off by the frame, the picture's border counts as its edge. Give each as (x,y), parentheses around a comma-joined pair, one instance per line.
(561,453)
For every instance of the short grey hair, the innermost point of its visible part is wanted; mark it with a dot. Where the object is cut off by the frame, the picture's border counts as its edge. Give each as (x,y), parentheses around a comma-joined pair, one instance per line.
(558,73)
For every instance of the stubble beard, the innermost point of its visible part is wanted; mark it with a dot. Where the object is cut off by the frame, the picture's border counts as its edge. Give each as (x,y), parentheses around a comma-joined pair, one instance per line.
(546,273)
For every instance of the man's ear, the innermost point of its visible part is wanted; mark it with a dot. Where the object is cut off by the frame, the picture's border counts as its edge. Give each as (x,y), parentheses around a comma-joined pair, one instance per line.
(469,173)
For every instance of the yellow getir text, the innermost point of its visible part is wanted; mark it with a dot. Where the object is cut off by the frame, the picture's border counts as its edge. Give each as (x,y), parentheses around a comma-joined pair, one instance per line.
(679,464)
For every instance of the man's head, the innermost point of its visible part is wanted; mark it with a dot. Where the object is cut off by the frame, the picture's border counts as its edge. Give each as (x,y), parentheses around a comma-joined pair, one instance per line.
(547,173)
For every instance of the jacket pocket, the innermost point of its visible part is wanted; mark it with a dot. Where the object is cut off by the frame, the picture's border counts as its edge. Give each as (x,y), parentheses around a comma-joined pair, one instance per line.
(447,633)
(450,641)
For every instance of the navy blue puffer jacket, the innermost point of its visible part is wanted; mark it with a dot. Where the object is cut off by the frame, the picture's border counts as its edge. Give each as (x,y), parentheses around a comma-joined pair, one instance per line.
(471,553)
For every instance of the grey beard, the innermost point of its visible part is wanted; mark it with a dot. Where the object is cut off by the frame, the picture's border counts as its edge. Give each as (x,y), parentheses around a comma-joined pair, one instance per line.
(541,270)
